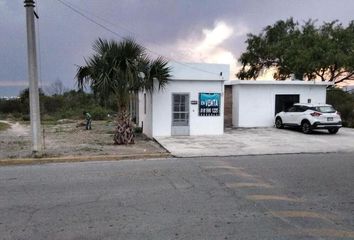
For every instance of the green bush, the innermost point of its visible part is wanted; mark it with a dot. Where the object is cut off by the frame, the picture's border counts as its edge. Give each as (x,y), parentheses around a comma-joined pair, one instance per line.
(52,104)
(69,105)
(98,113)
(343,102)
(11,116)
(138,130)
(48,118)
(26,117)
(68,113)
(10,106)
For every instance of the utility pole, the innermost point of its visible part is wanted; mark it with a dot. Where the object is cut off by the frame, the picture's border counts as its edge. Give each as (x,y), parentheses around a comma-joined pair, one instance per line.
(33,79)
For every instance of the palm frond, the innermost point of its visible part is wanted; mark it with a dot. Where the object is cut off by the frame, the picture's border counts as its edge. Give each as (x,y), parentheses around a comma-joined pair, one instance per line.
(114,68)
(83,74)
(159,71)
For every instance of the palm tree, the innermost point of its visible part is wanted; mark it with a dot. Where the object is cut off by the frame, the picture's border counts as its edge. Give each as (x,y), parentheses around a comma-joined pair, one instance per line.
(122,69)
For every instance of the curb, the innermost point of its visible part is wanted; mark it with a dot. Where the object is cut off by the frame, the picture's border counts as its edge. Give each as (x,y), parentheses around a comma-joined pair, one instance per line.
(258,154)
(71,159)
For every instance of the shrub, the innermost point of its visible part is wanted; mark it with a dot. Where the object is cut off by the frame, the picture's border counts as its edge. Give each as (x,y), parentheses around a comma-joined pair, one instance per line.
(10,106)
(343,102)
(70,104)
(138,130)
(26,117)
(52,104)
(98,113)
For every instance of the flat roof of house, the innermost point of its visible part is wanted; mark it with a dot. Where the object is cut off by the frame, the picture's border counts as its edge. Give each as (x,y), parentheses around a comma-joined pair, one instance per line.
(199,71)
(274,82)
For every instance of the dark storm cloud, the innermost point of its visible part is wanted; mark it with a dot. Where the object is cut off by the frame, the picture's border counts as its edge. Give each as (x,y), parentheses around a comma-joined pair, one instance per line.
(66,37)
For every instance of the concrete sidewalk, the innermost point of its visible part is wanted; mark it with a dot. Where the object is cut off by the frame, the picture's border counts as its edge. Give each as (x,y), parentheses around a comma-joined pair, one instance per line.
(256,141)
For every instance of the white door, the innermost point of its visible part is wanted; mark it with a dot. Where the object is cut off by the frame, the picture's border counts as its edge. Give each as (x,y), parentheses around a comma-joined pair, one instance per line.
(180,114)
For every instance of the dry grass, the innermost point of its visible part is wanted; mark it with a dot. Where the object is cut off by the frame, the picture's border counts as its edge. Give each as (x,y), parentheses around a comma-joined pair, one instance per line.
(4,126)
(70,140)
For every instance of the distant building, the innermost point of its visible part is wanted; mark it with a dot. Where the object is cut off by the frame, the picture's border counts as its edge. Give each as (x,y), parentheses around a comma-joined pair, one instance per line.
(9,98)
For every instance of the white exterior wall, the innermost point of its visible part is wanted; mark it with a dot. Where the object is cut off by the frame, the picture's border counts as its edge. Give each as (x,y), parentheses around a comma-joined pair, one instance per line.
(235,106)
(199,125)
(145,118)
(254,105)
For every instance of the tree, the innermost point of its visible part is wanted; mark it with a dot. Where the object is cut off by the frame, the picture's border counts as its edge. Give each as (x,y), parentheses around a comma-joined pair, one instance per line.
(309,52)
(56,88)
(122,69)
(25,101)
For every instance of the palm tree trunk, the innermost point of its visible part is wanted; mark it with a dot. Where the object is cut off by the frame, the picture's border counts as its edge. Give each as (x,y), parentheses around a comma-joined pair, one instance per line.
(124,132)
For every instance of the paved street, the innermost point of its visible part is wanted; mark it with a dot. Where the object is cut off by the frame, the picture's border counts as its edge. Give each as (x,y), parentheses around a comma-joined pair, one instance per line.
(300,196)
(258,141)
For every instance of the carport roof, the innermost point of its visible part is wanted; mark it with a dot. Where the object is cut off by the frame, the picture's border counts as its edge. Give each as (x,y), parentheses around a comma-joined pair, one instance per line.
(273,82)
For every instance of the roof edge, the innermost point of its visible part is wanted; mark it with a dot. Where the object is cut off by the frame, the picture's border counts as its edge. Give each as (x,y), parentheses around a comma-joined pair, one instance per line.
(200,80)
(275,82)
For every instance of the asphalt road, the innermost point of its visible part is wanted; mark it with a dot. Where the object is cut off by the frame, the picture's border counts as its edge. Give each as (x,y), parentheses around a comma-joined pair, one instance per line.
(255,197)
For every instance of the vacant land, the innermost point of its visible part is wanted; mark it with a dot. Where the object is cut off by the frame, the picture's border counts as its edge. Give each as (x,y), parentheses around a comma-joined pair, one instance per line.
(66,139)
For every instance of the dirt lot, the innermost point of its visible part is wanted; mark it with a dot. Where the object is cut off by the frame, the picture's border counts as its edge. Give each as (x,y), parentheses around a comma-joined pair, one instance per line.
(68,140)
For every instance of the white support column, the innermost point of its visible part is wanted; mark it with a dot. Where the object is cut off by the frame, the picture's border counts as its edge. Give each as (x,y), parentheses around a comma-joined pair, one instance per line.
(33,79)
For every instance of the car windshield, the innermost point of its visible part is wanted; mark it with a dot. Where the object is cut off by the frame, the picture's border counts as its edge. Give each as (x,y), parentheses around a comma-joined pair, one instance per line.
(324,109)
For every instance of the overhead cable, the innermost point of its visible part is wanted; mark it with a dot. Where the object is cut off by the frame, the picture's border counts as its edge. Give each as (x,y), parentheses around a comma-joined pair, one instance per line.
(85,15)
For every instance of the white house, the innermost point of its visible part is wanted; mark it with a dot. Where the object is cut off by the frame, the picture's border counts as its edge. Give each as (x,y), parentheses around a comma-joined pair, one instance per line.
(192,103)
(200,100)
(255,103)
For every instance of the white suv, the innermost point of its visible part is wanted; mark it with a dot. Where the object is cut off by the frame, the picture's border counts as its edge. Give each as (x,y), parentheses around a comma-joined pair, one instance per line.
(309,117)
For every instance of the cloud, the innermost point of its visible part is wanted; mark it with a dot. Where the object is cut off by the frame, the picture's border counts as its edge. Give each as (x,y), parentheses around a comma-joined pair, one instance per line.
(214,37)
(209,46)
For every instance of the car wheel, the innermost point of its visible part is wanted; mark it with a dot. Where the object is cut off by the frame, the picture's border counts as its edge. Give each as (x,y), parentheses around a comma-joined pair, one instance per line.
(333,130)
(279,123)
(306,127)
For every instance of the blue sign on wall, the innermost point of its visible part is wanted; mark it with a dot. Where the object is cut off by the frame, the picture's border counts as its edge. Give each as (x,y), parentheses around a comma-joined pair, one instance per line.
(209,104)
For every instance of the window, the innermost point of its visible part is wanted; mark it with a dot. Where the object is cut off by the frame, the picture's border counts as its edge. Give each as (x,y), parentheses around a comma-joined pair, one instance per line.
(292,109)
(303,108)
(297,108)
(324,109)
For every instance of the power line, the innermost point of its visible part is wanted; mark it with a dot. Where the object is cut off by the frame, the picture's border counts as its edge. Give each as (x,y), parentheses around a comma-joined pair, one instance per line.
(76,10)
(90,19)
(101,18)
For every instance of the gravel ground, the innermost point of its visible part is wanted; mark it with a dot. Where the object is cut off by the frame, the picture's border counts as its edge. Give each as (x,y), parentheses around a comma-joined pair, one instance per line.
(67,139)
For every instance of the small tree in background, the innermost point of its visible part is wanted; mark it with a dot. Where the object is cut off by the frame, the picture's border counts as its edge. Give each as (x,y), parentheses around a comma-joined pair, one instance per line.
(116,68)
(56,88)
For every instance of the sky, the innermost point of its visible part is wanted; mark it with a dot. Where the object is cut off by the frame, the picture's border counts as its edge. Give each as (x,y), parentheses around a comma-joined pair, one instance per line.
(207,31)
